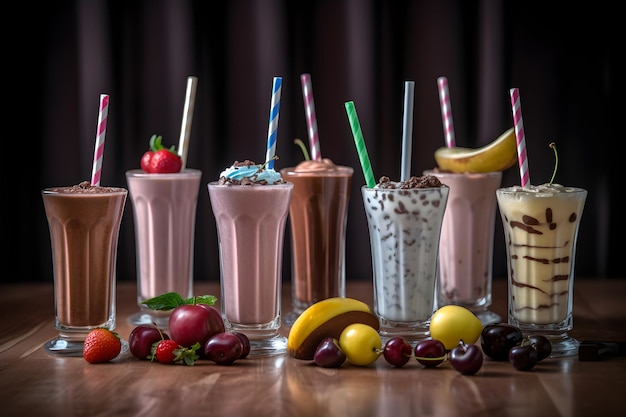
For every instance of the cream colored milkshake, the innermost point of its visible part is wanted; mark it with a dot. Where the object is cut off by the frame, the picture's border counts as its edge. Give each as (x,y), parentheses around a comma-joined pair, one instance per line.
(541,229)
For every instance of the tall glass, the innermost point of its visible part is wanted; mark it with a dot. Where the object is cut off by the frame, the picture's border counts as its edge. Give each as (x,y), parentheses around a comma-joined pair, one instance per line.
(541,229)
(84,224)
(404,229)
(317,216)
(466,245)
(164,208)
(251,223)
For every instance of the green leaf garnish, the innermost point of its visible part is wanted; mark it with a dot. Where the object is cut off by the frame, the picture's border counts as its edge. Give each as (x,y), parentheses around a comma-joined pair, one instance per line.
(171,300)
(303,147)
(556,162)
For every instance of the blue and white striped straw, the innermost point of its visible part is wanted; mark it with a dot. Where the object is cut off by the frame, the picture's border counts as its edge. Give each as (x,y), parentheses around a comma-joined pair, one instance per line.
(272,132)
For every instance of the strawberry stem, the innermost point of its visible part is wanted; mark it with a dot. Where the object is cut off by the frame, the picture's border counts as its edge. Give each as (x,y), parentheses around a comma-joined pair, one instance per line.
(556,162)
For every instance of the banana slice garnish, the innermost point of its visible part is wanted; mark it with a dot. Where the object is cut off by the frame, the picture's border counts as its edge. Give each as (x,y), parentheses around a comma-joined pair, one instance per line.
(499,155)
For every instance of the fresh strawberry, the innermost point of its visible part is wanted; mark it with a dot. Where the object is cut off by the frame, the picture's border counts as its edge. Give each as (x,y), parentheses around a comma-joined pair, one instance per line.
(168,351)
(165,351)
(160,160)
(101,345)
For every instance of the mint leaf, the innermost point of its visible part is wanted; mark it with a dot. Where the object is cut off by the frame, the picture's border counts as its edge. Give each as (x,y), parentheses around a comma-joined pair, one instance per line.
(202,299)
(164,302)
(171,300)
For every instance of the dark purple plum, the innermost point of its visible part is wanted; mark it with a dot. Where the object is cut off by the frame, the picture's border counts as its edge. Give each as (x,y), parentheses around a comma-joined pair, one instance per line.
(523,357)
(430,352)
(142,338)
(246,344)
(497,339)
(542,345)
(397,351)
(194,323)
(467,359)
(328,354)
(223,348)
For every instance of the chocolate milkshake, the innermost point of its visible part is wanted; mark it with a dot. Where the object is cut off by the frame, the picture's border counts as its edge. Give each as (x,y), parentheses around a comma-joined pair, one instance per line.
(250,203)
(541,229)
(317,217)
(405,221)
(84,223)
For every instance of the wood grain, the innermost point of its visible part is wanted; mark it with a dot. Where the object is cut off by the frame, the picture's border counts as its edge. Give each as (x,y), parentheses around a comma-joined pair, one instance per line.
(37,384)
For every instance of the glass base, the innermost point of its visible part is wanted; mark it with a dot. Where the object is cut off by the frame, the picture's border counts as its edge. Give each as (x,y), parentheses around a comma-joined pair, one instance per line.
(290,318)
(487,317)
(563,345)
(160,318)
(412,332)
(276,345)
(72,346)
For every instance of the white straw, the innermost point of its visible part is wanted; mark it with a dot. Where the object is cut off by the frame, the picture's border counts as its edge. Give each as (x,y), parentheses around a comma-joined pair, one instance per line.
(407,129)
(185,128)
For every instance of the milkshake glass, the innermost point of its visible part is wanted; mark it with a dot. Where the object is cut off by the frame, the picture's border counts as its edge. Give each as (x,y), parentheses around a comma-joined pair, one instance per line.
(541,229)
(466,245)
(251,223)
(404,222)
(317,216)
(164,208)
(84,222)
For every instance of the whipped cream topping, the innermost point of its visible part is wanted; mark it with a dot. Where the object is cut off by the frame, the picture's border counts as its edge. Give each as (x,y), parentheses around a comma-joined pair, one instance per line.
(547,189)
(248,172)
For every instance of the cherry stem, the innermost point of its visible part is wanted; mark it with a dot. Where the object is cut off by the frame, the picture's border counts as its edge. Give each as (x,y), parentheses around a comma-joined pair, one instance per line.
(303,147)
(556,162)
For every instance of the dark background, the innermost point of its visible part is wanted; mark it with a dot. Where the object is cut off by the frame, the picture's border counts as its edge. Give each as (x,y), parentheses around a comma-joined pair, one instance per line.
(60,56)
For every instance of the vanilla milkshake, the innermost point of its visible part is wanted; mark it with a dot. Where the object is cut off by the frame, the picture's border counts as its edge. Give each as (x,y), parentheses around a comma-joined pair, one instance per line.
(404,220)
(84,222)
(317,216)
(164,208)
(541,229)
(250,204)
(466,245)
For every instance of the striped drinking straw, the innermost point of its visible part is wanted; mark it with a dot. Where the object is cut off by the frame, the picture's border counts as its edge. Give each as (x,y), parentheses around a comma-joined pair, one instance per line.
(446,112)
(272,131)
(311,117)
(98,154)
(520,137)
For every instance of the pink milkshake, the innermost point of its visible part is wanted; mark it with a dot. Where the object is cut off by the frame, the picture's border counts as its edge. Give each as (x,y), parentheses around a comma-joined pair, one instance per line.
(164,206)
(250,204)
(466,244)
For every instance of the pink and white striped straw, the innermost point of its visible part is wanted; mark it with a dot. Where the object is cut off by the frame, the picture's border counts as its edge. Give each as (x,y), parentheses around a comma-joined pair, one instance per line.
(520,137)
(311,117)
(98,153)
(446,112)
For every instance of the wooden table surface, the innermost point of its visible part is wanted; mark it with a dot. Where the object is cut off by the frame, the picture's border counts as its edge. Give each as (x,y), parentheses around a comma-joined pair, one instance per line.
(34,383)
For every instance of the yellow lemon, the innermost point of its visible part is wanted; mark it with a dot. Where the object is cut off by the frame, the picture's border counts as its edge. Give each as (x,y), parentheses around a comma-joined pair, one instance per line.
(452,323)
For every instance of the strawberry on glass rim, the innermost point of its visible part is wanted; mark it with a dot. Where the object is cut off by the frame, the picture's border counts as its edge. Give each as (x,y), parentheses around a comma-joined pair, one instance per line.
(160,160)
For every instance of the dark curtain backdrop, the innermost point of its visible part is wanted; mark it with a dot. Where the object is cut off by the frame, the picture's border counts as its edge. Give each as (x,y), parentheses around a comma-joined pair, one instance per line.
(62,55)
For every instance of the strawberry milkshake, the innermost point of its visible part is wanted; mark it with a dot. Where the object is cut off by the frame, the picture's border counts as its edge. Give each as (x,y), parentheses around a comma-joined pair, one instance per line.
(250,203)
(164,208)
(466,245)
